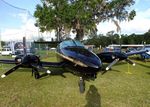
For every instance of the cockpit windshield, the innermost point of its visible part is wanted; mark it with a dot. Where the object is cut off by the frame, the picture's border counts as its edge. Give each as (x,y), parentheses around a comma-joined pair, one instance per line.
(71,43)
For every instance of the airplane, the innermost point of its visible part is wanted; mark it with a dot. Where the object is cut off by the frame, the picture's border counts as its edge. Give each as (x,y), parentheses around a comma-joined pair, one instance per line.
(113,57)
(145,55)
(71,53)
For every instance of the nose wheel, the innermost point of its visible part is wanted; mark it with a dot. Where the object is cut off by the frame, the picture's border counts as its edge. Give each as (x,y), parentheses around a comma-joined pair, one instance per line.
(81,85)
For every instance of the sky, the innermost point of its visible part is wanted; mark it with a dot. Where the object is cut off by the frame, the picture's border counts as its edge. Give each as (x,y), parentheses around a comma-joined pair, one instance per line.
(16,20)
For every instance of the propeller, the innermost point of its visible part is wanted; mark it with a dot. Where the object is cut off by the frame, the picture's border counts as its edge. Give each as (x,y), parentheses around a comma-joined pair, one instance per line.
(111,64)
(114,62)
(10,71)
(130,62)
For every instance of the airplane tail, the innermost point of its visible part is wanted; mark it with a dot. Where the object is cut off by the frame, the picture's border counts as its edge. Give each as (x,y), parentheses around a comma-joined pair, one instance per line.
(136,52)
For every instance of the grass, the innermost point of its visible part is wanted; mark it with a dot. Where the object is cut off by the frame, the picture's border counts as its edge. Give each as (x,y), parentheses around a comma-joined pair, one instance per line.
(116,88)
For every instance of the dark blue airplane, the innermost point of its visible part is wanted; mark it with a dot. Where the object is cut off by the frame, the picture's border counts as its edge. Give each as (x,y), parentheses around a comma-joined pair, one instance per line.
(145,55)
(72,54)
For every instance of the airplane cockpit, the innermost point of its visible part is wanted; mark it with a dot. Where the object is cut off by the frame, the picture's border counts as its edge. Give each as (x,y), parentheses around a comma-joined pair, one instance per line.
(70,43)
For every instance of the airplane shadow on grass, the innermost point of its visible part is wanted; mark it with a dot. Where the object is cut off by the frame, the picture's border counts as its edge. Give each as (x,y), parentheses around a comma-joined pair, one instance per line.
(54,72)
(148,73)
(146,66)
(93,97)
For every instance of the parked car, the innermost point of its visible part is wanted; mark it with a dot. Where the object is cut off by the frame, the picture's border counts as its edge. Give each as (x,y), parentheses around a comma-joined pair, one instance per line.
(6,51)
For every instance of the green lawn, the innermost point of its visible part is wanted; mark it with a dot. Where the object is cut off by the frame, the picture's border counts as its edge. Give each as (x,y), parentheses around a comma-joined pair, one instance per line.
(117,88)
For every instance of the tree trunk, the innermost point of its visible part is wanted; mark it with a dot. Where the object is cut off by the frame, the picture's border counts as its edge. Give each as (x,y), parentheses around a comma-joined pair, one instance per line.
(80,34)
(58,34)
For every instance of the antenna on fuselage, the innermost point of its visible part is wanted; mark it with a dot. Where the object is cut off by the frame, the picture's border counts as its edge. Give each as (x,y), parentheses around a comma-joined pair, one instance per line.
(24,46)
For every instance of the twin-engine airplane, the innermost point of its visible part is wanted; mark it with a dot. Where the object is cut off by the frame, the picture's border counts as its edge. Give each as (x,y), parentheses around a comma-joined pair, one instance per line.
(114,57)
(72,54)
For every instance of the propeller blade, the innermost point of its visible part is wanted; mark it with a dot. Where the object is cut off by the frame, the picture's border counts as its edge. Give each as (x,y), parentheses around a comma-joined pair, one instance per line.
(10,71)
(130,62)
(111,64)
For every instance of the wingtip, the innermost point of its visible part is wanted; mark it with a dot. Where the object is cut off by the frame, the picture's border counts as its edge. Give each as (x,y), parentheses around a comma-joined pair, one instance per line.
(3,76)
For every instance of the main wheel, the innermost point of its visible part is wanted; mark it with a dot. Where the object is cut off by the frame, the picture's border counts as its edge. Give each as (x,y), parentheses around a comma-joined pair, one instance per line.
(36,75)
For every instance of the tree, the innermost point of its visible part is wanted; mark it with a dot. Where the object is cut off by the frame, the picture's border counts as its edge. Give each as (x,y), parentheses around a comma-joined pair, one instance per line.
(80,15)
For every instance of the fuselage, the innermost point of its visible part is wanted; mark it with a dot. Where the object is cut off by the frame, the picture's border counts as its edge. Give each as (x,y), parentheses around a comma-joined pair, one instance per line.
(80,57)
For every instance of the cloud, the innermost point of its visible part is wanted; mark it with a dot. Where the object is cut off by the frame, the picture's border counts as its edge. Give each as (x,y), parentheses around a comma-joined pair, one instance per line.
(137,1)
(27,29)
(139,25)
(24,17)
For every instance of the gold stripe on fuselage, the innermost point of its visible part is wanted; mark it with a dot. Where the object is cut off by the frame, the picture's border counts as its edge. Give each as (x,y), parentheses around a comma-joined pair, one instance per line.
(73,60)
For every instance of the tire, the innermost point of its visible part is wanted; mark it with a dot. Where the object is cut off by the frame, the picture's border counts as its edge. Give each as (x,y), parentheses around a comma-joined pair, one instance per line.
(36,75)
(81,86)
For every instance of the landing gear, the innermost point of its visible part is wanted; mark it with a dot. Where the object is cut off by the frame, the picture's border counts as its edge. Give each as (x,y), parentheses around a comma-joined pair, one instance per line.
(35,73)
(81,85)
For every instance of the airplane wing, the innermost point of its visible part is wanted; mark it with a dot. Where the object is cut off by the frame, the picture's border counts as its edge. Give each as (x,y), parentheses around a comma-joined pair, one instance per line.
(52,64)
(7,61)
(136,52)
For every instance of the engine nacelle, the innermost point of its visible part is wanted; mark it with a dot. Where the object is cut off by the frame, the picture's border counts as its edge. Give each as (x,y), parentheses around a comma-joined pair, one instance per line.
(27,60)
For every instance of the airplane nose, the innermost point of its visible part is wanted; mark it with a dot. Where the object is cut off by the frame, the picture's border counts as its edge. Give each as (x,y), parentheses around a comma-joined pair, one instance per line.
(93,61)
(85,56)
(95,65)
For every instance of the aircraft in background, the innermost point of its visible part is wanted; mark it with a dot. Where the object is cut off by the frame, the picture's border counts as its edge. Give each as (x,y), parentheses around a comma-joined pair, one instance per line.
(145,55)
